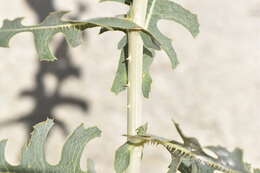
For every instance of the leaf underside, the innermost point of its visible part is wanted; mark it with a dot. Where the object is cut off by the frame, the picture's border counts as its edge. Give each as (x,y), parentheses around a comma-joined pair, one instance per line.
(33,155)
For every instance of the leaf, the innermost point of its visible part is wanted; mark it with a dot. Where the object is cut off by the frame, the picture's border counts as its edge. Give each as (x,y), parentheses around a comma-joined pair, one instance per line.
(190,143)
(149,42)
(233,160)
(190,157)
(122,43)
(256,170)
(147,79)
(174,165)
(121,79)
(197,167)
(168,10)
(90,166)
(185,167)
(33,156)
(53,24)
(165,9)
(142,130)
(127,2)
(229,160)
(122,157)
(155,40)
(190,166)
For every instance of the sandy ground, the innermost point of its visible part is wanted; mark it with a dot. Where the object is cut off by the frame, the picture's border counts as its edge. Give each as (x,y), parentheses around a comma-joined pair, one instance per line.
(214,93)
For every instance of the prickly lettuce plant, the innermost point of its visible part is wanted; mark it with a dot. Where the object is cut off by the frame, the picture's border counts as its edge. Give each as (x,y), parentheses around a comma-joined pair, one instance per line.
(138,47)
(191,156)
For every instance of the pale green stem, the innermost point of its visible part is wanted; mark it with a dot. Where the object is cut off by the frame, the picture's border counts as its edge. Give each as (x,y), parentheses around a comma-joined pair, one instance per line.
(135,72)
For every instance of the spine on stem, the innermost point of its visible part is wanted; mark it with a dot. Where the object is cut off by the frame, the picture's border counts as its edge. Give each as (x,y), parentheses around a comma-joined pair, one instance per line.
(135,72)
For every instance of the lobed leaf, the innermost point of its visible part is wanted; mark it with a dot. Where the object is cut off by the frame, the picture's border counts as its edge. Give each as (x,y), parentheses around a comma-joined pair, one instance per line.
(53,24)
(168,10)
(33,156)
(190,157)
(165,9)
(232,159)
(153,40)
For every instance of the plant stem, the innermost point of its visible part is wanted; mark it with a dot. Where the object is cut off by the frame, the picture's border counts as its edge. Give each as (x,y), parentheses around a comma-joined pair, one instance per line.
(135,72)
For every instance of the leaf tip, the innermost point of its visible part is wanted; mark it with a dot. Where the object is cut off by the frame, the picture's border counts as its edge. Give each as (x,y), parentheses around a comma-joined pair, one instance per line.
(196,27)
(146,96)
(4,45)
(59,13)
(53,58)
(3,142)
(47,121)
(113,90)
(175,64)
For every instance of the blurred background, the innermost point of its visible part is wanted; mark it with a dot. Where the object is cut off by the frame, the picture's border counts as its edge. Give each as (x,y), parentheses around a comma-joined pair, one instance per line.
(214,94)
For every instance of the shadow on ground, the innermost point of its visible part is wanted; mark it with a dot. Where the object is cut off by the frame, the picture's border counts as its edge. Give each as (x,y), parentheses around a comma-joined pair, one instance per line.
(62,69)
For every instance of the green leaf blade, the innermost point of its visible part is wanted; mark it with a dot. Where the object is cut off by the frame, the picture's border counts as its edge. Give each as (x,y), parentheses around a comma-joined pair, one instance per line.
(174,165)
(142,130)
(147,79)
(79,138)
(121,78)
(169,10)
(256,170)
(165,9)
(4,165)
(53,24)
(114,23)
(122,157)
(6,34)
(233,160)
(33,156)
(43,33)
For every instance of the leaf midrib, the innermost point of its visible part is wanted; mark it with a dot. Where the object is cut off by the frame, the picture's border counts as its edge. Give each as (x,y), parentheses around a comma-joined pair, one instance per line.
(32,28)
(150,14)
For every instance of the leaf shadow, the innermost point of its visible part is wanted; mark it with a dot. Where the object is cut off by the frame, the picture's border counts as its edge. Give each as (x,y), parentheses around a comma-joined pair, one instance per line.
(62,69)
